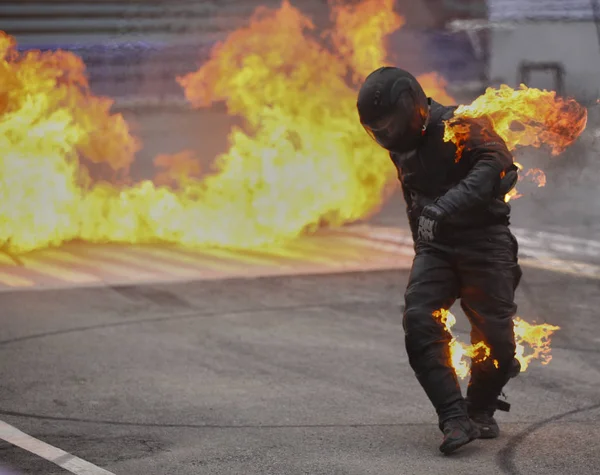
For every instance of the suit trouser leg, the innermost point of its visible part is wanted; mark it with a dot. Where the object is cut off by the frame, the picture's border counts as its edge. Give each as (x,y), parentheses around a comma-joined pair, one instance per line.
(433,285)
(489,274)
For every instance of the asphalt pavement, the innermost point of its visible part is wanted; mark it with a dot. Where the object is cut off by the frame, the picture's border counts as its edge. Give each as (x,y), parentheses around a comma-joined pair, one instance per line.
(278,375)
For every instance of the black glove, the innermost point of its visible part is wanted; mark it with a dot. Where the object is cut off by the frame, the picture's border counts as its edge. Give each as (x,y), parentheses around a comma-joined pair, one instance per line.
(429,221)
(509,181)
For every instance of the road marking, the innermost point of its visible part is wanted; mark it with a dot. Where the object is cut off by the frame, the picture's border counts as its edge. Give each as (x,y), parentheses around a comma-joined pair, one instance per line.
(531,243)
(53,454)
(57,271)
(561,266)
(12,280)
(537,249)
(347,249)
(68,258)
(557,243)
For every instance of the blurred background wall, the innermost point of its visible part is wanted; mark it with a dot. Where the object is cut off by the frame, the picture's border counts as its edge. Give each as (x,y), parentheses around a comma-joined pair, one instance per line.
(552,44)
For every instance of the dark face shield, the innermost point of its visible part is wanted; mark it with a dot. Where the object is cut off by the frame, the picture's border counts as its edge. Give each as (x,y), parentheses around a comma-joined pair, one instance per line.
(398,132)
(385,130)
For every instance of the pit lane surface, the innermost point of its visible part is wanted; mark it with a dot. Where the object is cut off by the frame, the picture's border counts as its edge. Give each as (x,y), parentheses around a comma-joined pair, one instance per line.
(364,247)
(278,375)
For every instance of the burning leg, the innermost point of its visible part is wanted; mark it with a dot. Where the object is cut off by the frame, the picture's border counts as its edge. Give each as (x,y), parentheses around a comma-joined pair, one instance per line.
(489,276)
(433,286)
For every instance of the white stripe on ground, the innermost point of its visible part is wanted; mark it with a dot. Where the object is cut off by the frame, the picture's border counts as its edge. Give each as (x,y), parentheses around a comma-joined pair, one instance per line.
(530,242)
(558,243)
(537,249)
(55,455)
(575,268)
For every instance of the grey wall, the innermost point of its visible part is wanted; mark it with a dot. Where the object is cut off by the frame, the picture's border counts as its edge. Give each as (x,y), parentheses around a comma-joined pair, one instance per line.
(56,22)
(574,44)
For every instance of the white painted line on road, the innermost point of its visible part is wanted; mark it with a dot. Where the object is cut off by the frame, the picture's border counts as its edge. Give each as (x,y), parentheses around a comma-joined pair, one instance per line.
(580,269)
(540,250)
(55,455)
(557,243)
(531,243)
(551,236)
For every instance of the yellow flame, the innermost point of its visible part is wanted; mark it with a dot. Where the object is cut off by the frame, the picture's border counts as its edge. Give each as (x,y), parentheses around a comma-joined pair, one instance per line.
(354,36)
(435,86)
(512,195)
(302,161)
(523,117)
(536,337)
(461,354)
(48,122)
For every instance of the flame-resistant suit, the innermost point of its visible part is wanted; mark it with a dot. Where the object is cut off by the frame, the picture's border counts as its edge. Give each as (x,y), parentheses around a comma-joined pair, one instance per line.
(473,257)
(464,248)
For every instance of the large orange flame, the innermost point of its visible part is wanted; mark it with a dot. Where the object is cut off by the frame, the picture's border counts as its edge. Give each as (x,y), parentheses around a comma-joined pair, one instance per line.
(356,27)
(49,121)
(522,117)
(536,337)
(301,161)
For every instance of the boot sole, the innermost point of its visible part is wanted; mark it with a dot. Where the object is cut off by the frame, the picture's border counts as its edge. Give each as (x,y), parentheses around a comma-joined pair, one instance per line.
(457,444)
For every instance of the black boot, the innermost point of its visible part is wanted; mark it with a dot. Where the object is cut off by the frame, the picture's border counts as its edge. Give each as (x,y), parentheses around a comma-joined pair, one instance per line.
(458,431)
(483,400)
(485,422)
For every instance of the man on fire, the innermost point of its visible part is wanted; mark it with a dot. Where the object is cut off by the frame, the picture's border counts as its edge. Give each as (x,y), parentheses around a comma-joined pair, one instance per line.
(464,248)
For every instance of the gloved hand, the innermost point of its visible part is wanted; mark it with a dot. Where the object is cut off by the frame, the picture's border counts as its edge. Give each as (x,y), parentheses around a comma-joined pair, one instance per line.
(509,181)
(429,221)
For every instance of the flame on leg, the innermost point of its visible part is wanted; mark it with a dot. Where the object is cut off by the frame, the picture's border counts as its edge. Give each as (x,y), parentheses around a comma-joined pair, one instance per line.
(536,337)
(460,354)
(534,175)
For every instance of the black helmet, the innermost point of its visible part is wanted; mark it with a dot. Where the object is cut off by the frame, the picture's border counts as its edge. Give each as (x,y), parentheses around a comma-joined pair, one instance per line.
(393,108)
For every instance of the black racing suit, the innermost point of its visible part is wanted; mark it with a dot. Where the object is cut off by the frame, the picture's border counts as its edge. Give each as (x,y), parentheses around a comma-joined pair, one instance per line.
(473,257)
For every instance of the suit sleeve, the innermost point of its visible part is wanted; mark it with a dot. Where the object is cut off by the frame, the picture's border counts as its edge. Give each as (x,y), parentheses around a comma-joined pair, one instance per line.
(489,157)
(412,220)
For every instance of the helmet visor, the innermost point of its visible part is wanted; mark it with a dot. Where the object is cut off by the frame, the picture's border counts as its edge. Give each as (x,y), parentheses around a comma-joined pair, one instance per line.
(385,130)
